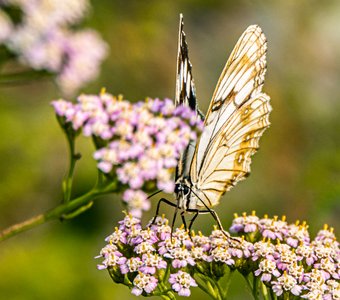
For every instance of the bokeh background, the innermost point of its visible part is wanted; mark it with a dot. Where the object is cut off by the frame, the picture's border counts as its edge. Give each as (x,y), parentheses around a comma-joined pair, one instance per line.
(296,172)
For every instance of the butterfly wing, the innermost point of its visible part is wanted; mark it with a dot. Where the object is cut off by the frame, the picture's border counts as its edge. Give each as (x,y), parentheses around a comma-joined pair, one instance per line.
(185,95)
(185,87)
(236,119)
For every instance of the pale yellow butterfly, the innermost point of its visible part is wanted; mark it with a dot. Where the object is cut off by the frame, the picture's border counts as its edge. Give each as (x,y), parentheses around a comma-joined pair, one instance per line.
(236,119)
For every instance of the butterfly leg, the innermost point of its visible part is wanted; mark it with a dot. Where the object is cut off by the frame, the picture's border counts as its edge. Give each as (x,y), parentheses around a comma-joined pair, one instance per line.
(213,214)
(158,207)
(192,220)
(225,233)
(217,219)
(174,219)
(183,220)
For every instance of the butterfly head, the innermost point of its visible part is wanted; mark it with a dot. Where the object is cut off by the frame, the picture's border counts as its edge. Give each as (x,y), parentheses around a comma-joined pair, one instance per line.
(182,189)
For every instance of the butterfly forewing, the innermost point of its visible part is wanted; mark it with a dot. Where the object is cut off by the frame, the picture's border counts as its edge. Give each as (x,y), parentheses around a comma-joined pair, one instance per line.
(236,119)
(185,95)
(185,87)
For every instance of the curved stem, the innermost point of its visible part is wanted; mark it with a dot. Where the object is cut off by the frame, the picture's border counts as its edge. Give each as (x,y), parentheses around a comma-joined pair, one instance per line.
(255,287)
(23,226)
(23,77)
(168,296)
(272,295)
(211,287)
(206,290)
(166,293)
(264,291)
(224,291)
(57,212)
(250,286)
(73,158)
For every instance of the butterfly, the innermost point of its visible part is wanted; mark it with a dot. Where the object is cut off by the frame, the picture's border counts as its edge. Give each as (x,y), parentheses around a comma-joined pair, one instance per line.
(237,116)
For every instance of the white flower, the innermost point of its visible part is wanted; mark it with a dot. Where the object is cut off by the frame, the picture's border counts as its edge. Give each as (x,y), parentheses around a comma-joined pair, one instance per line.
(286,283)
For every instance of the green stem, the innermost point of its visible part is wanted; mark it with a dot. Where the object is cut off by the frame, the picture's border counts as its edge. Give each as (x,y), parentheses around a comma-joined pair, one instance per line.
(211,287)
(206,290)
(73,158)
(221,292)
(57,212)
(166,293)
(168,296)
(250,286)
(255,287)
(226,284)
(23,77)
(264,291)
(272,295)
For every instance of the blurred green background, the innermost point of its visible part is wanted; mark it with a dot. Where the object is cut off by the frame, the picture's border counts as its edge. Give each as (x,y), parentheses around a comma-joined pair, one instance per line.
(296,172)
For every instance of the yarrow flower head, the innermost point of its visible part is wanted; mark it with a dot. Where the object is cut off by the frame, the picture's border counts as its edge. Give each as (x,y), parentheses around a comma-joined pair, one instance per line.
(138,144)
(181,283)
(158,260)
(44,39)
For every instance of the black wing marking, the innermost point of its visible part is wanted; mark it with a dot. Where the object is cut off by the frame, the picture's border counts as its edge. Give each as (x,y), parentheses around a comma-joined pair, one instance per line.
(185,87)
(185,95)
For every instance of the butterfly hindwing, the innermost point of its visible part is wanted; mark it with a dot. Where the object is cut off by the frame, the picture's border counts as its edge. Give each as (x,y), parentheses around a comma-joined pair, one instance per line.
(228,159)
(236,119)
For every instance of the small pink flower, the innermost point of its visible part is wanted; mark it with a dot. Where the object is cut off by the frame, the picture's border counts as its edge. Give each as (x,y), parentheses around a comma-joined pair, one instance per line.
(144,282)
(181,283)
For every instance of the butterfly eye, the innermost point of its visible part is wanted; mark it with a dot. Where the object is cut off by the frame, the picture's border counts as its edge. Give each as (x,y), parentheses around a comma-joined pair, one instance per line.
(177,188)
(181,188)
(185,190)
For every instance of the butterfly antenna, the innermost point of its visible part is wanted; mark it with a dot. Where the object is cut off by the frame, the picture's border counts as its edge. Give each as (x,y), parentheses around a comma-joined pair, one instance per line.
(154,194)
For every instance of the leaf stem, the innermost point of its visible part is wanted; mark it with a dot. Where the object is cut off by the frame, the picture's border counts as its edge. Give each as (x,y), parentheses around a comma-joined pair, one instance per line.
(23,77)
(255,287)
(73,158)
(264,291)
(227,284)
(250,286)
(211,288)
(204,289)
(58,211)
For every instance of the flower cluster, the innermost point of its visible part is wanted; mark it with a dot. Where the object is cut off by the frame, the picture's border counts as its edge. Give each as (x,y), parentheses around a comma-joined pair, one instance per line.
(157,260)
(43,39)
(288,261)
(137,144)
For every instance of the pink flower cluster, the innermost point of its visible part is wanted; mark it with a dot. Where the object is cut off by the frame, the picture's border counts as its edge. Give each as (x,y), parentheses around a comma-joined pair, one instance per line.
(288,261)
(44,40)
(140,143)
(172,260)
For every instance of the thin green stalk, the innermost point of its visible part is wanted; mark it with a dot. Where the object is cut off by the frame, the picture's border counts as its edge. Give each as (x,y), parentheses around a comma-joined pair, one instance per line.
(255,288)
(250,286)
(264,291)
(211,288)
(226,285)
(206,290)
(248,283)
(23,77)
(57,212)
(166,293)
(73,158)
(168,296)
(221,292)
(272,295)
